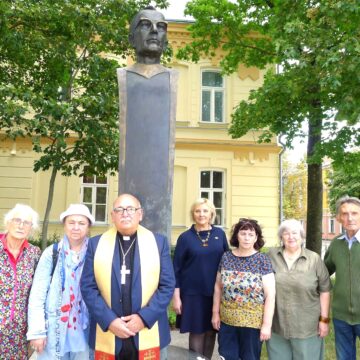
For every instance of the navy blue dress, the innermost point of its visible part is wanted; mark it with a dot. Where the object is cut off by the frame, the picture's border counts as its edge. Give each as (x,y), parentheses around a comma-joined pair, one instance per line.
(195,268)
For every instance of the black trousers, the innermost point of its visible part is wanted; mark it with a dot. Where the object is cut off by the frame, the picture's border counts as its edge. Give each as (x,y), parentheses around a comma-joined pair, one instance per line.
(128,350)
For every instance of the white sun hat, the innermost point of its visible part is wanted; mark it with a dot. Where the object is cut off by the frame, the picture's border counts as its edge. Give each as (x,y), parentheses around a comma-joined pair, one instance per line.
(77,209)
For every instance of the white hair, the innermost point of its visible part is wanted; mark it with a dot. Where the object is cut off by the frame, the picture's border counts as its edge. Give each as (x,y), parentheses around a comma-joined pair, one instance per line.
(291,224)
(23,210)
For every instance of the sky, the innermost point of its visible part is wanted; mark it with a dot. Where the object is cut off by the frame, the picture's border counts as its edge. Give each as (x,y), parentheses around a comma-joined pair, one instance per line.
(176,12)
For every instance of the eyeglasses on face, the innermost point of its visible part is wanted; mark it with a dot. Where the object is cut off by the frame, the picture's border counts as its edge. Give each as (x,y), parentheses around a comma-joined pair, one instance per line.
(131,210)
(18,222)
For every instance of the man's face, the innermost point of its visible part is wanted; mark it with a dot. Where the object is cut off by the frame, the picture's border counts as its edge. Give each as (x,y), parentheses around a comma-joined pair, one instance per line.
(126,214)
(149,38)
(349,217)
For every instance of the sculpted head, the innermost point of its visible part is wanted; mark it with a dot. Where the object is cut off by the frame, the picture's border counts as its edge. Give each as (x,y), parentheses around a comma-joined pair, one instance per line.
(148,35)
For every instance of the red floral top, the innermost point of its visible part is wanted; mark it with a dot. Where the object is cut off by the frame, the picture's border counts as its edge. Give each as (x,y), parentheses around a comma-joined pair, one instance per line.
(15,282)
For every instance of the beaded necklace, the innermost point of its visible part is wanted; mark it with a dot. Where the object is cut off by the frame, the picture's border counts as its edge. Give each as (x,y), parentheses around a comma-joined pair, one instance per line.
(204,242)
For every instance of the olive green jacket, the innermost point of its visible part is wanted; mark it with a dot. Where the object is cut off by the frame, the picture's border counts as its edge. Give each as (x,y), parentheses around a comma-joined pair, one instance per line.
(345,264)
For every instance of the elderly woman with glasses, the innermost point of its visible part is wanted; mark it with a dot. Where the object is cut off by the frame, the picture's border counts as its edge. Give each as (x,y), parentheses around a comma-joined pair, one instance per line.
(244,295)
(197,255)
(58,317)
(18,259)
(301,319)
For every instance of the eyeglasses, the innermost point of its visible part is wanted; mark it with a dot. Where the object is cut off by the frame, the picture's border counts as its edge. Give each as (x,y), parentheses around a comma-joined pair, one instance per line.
(18,222)
(130,210)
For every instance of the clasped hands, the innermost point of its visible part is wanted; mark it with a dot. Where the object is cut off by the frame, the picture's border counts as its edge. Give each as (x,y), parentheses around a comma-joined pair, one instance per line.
(126,326)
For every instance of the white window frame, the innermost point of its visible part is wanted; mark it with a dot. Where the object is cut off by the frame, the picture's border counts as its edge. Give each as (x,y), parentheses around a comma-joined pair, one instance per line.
(331,225)
(94,187)
(213,90)
(211,190)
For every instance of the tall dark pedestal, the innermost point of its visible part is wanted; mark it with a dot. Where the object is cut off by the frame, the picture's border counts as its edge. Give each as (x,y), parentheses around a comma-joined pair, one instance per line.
(147,142)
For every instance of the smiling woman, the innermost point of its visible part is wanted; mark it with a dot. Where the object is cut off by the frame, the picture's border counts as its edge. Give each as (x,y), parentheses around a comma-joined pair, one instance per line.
(301,278)
(196,259)
(18,259)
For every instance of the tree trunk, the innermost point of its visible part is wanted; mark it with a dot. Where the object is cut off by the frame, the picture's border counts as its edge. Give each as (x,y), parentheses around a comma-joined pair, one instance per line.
(314,190)
(48,209)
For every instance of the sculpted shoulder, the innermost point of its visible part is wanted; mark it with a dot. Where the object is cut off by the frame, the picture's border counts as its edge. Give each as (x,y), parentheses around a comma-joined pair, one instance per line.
(148,71)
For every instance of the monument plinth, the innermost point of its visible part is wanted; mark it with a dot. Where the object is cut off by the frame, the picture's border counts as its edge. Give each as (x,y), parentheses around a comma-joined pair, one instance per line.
(147,138)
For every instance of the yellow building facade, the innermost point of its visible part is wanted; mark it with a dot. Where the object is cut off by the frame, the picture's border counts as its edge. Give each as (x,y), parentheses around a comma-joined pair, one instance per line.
(239,175)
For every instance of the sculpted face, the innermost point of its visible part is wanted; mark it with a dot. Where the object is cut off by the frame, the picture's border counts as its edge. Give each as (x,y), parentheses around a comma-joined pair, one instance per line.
(126,214)
(148,35)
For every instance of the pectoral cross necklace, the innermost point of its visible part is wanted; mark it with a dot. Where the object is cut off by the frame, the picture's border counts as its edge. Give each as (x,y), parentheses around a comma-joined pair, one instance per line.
(124,271)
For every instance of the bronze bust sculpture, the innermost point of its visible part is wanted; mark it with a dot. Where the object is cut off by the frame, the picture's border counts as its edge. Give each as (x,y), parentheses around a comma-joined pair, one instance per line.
(147,94)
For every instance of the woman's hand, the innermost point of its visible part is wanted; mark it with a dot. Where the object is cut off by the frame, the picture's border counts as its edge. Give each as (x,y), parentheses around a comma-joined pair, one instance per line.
(215,320)
(323,329)
(176,302)
(38,345)
(265,332)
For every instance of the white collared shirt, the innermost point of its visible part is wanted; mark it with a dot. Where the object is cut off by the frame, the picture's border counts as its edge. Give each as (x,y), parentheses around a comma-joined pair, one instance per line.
(350,241)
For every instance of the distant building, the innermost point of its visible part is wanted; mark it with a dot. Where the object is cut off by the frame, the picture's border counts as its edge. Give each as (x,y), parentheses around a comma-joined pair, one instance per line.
(239,175)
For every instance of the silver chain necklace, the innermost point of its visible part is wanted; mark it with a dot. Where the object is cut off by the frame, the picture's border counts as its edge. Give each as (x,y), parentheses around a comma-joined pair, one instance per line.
(124,271)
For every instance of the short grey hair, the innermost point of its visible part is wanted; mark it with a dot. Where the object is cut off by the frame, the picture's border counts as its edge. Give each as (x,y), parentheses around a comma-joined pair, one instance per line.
(346,200)
(24,210)
(208,203)
(291,224)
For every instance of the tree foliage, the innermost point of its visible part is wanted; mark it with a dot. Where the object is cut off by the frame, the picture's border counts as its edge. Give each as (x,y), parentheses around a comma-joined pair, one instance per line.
(57,82)
(345,179)
(317,45)
(295,196)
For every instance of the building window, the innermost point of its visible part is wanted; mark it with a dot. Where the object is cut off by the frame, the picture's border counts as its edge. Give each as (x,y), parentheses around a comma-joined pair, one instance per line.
(332,226)
(94,194)
(212,188)
(212,97)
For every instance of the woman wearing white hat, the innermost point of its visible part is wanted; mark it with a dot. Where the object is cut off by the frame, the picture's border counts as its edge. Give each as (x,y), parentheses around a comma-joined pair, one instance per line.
(58,319)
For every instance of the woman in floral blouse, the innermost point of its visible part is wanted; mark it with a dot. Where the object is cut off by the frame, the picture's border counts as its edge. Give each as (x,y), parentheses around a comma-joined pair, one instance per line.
(244,295)
(18,259)
(58,317)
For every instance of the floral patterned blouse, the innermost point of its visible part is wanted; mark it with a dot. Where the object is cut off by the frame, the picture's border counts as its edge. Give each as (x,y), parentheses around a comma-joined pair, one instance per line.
(242,300)
(15,283)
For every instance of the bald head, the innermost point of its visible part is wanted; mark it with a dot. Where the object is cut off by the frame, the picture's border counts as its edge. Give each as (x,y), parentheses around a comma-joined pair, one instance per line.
(126,214)
(129,197)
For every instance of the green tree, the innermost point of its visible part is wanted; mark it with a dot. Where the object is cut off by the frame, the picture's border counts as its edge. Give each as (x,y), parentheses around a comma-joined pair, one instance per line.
(317,45)
(345,179)
(295,195)
(57,84)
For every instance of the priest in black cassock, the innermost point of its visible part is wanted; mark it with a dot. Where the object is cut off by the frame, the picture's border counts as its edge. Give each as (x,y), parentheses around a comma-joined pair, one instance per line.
(127,284)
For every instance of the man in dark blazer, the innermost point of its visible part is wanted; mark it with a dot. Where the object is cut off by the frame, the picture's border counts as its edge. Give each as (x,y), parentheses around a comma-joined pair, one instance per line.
(127,284)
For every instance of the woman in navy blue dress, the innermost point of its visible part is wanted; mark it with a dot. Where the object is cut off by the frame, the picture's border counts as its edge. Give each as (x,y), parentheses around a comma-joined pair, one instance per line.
(197,255)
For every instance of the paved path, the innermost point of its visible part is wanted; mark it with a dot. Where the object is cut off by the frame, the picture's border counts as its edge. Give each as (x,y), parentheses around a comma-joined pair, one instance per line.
(177,339)
(182,340)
